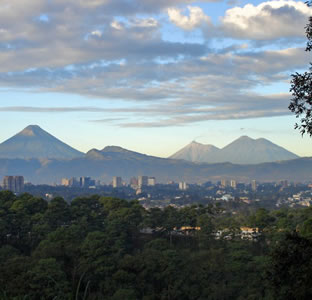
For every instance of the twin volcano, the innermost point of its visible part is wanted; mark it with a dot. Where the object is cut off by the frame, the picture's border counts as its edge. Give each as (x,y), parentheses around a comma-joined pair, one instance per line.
(34,142)
(244,150)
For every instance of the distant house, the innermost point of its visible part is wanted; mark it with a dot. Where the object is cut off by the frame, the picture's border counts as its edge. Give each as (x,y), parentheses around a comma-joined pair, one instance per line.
(245,200)
(188,230)
(249,233)
(227,197)
(245,233)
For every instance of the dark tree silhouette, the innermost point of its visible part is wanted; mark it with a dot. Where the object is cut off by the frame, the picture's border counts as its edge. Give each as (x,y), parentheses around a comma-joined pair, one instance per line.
(290,268)
(301,88)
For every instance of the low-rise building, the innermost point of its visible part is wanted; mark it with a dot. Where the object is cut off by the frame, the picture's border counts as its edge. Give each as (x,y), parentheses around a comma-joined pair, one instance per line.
(249,233)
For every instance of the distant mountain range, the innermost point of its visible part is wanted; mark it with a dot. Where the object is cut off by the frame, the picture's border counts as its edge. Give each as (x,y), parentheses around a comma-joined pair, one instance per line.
(244,150)
(34,142)
(105,165)
(42,158)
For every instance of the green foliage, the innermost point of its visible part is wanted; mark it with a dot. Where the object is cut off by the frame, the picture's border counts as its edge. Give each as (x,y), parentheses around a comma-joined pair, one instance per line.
(47,280)
(291,268)
(301,88)
(93,248)
(6,199)
(57,213)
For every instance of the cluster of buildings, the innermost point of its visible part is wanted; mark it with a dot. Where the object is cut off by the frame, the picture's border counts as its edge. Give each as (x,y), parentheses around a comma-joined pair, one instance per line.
(135,182)
(233,184)
(244,233)
(153,194)
(303,198)
(82,182)
(138,182)
(142,181)
(13,183)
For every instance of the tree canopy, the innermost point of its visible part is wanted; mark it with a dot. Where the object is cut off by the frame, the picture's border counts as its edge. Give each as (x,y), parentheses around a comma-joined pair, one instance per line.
(301,89)
(99,248)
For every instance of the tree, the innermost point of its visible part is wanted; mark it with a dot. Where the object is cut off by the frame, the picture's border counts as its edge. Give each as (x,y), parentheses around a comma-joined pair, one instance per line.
(100,256)
(58,213)
(301,88)
(47,280)
(63,245)
(289,271)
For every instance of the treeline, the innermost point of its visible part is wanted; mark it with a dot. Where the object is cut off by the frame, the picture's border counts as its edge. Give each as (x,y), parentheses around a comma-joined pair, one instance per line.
(107,248)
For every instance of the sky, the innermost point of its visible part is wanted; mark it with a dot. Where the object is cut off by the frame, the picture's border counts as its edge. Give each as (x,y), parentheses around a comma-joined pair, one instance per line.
(152,76)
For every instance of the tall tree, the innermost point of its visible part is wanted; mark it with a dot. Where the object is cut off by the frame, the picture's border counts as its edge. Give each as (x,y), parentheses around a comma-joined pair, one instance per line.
(301,88)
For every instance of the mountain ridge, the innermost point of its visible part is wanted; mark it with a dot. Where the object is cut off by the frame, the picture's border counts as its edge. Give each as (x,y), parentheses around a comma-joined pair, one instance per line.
(34,142)
(117,161)
(51,171)
(243,150)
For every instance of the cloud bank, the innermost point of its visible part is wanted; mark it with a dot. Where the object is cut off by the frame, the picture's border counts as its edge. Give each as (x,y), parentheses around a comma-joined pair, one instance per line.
(121,51)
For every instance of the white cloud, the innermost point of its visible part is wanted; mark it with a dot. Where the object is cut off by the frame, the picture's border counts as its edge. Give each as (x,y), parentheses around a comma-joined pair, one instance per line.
(195,19)
(149,22)
(97,33)
(125,56)
(116,25)
(214,87)
(266,21)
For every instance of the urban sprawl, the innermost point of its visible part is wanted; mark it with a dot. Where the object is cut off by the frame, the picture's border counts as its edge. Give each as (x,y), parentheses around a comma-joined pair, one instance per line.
(149,193)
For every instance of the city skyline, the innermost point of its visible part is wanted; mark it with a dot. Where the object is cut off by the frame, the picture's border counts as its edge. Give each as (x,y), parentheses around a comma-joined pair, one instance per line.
(151,76)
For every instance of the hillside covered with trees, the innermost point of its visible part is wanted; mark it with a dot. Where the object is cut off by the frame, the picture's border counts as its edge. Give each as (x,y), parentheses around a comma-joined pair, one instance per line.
(106,248)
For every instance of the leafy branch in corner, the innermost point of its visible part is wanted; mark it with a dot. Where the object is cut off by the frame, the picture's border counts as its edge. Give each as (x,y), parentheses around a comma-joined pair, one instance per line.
(301,89)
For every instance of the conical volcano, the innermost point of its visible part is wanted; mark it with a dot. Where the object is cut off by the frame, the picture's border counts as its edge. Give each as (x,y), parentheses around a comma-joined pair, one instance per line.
(34,142)
(246,150)
(196,152)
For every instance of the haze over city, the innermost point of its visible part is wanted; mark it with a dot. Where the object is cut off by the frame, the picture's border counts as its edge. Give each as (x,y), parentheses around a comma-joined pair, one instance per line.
(152,76)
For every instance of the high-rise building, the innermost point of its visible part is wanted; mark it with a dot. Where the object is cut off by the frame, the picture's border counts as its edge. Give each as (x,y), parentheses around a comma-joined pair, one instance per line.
(65,182)
(8,183)
(284,183)
(233,184)
(117,182)
(151,181)
(224,183)
(85,182)
(142,181)
(183,186)
(13,183)
(73,182)
(19,183)
(134,182)
(254,185)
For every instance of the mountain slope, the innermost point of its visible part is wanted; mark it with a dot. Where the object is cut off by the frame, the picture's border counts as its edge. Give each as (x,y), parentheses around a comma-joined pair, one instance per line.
(244,150)
(34,142)
(50,171)
(116,153)
(197,152)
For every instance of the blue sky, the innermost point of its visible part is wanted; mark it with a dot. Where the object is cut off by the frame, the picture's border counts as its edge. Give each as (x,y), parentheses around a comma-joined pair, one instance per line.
(152,76)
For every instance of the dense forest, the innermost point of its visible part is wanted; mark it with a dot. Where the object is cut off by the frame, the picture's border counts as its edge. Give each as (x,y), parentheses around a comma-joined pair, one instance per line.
(107,248)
